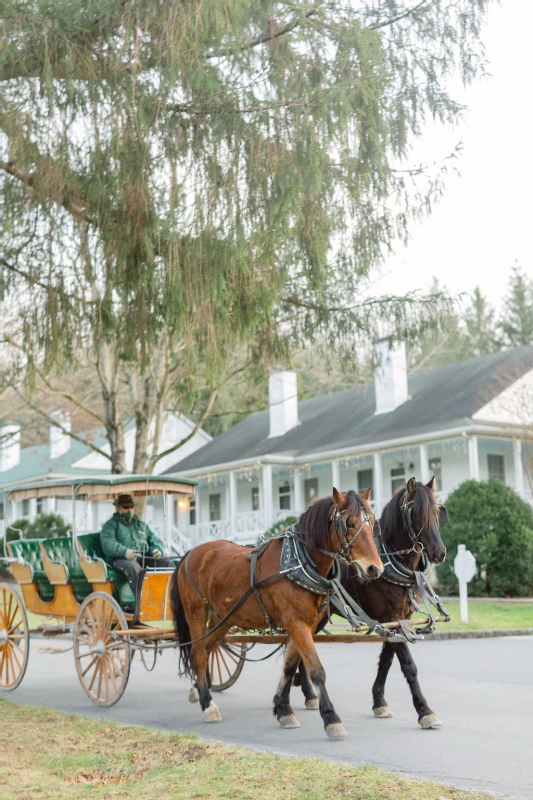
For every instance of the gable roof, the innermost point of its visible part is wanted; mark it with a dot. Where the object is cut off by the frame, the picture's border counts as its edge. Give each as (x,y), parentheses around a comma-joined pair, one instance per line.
(440,398)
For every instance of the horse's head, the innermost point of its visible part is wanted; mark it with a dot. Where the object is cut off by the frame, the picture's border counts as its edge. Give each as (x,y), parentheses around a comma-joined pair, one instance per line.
(419,514)
(351,527)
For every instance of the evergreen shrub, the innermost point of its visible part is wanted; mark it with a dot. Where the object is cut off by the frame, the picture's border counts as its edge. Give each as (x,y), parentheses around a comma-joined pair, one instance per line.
(496,525)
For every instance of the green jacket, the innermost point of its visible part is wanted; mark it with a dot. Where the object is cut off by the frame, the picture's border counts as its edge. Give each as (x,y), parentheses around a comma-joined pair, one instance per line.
(119,535)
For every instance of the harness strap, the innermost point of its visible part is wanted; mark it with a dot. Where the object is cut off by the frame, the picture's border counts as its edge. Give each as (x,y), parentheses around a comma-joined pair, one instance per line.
(253,574)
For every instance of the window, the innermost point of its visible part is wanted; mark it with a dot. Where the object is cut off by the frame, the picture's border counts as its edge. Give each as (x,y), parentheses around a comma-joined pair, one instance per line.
(39,505)
(25,508)
(365,478)
(255,498)
(1,510)
(192,512)
(496,467)
(285,496)
(435,468)
(214,507)
(310,489)
(398,477)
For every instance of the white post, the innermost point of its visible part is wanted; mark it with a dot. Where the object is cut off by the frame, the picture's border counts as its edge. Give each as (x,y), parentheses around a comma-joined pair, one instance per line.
(463,589)
(518,471)
(335,475)
(298,494)
(378,484)
(424,464)
(266,486)
(473,458)
(464,566)
(232,495)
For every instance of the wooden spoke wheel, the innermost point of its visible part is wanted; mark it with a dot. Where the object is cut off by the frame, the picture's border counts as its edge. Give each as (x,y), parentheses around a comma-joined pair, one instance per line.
(225,666)
(102,660)
(14,639)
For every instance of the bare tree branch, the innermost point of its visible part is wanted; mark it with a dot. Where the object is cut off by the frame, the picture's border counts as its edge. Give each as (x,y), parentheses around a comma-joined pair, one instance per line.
(269,36)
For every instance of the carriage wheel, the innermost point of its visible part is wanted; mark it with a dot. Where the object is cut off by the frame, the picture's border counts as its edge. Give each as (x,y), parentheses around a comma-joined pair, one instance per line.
(102,661)
(14,639)
(225,666)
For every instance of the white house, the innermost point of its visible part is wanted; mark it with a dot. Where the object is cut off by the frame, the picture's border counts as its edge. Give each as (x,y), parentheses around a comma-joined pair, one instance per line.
(472,419)
(64,457)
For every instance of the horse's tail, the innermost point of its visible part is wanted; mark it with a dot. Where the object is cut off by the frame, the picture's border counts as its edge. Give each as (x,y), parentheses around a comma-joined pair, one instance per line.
(183,633)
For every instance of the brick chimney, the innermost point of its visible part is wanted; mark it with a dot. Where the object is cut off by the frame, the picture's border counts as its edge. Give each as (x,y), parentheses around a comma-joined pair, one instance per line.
(390,379)
(283,402)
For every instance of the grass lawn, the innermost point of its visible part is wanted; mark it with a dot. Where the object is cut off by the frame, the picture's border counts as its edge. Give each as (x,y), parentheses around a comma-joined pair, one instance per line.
(486,616)
(48,755)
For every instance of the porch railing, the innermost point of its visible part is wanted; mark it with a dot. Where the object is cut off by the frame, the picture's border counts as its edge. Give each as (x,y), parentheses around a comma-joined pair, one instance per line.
(243,527)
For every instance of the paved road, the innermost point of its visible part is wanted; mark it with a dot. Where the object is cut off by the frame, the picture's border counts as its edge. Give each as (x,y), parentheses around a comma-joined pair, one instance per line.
(481,689)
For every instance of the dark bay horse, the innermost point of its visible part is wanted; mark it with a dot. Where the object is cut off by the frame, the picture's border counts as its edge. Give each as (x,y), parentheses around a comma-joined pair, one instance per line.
(386,601)
(214,576)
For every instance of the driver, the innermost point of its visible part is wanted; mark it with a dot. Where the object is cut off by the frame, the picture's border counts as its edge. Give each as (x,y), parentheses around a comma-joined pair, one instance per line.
(129,545)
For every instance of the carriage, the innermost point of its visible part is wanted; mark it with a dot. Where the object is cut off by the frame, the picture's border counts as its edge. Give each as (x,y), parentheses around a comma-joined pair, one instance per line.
(67,580)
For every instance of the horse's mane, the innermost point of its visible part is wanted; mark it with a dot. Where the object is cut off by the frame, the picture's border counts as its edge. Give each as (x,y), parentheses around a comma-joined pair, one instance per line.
(423,509)
(314,522)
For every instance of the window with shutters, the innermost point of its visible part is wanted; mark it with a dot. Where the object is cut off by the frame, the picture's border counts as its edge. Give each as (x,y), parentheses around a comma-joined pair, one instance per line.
(214,507)
(310,489)
(496,467)
(397,477)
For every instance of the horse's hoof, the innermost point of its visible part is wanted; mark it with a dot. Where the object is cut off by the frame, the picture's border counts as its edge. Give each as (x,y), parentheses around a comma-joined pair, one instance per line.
(312,704)
(430,721)
(289,721)
(193,695)
(336,730)
(212,714)
(383,712)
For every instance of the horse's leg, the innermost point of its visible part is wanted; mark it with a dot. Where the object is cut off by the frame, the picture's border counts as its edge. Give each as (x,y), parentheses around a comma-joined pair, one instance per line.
(302,637)
(309,691)
(197,617)
(426,717)
(379,704)
(282,708)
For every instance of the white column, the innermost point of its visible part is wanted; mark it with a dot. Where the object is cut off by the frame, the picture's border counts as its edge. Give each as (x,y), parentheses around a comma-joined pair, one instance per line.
(197,498)
(335,475)
(518,471)
(232,496)
(266,487)
(298,494)
(377,489)
(424,464)
(473,458)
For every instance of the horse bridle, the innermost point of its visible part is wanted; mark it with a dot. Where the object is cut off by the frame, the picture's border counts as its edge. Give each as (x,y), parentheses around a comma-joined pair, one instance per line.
(340,529)
(406,510)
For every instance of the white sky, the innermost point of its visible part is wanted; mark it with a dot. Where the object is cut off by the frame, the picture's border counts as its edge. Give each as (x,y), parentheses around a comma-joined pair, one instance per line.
(482,224)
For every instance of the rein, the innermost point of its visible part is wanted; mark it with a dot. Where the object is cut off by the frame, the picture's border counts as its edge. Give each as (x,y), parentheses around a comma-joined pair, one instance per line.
(332,588)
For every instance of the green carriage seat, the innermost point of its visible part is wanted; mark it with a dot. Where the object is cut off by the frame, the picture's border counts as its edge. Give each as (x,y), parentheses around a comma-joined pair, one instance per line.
(62,551)
(90,552)
(28,552)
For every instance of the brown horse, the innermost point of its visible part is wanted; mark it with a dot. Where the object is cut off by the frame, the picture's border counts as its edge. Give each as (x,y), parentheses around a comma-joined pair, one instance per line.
(214,576)
(406,537)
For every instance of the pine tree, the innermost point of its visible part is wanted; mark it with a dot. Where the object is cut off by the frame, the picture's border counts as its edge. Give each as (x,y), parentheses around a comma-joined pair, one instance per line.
(516,322)
(184,179)
(480,325)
